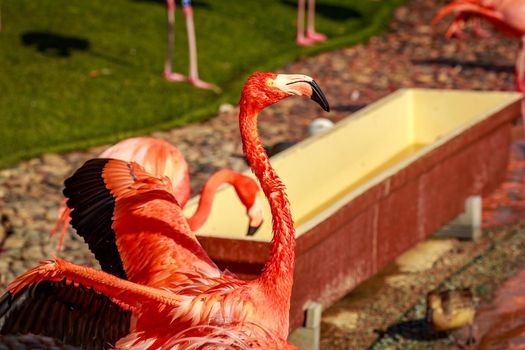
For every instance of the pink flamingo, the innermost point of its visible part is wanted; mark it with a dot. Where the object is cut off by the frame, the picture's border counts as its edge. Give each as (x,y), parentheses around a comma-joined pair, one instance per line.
(193,77)
(172,305)
(506,15)
(160,158)
(311,36)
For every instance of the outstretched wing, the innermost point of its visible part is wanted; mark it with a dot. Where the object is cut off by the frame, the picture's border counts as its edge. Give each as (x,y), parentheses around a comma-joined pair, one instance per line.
(72,314)
(133,224)
(79,305)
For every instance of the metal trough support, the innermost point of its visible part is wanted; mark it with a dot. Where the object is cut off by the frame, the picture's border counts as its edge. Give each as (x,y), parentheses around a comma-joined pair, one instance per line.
(309,335)
(467,226)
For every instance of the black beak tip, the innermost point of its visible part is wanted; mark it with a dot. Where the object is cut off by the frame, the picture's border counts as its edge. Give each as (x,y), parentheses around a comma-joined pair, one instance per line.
(252,230)
(318,96)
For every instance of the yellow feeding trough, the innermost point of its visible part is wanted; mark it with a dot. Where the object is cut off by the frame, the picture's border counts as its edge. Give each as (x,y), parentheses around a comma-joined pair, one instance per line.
(370,188)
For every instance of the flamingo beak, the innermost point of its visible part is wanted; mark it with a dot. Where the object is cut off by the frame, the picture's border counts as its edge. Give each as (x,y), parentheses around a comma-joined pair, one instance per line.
(318,96)
(316,93)
(301,85)
(252,229)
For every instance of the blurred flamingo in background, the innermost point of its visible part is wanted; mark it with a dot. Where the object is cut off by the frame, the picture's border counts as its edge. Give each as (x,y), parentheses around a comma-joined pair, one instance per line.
(506,15)
(460,21)
(309,37)
(193,77)
(172,304)
(160,158)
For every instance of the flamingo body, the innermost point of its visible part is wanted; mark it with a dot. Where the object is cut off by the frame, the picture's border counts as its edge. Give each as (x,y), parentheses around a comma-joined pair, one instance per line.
(506,15)
(176,305)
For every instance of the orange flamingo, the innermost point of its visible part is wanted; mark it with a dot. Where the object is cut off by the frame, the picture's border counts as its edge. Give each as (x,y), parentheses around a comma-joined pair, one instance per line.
(161,158)
(310,36)
(506,15)
(172,304)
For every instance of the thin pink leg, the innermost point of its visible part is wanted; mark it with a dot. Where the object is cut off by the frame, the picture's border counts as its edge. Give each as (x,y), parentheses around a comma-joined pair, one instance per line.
(192,45)
(169,75)
(519,73)
(478,29)
(310,29)
(300,38)
(520,76)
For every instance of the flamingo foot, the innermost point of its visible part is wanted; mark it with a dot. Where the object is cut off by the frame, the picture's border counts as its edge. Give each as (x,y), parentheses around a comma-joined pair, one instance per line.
(301,40)
(203,85)
(315,36)
(173,77)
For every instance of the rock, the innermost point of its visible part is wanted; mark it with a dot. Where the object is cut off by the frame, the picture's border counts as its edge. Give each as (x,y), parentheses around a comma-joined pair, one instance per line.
(14,242)
(226,108)
(33,253)
(54,160)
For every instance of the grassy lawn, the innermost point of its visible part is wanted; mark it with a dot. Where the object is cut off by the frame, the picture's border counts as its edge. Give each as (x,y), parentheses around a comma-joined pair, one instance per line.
(74,73)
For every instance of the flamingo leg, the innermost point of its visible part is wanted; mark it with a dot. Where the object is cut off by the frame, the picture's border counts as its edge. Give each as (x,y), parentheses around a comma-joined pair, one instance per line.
(300,38)
(63,222)
(456,27)
(169,75)
(478,29)
(520,75)
(310,29)
(192,46)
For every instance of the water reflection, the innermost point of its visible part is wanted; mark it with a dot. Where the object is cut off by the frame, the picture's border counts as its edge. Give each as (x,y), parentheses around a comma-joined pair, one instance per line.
(502,323)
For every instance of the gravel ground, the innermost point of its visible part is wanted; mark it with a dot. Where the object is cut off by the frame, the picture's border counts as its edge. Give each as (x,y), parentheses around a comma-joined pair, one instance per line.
(411,54)
(387,311)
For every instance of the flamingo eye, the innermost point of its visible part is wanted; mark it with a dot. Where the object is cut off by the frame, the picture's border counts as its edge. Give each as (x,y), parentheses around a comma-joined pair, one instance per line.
(269,82)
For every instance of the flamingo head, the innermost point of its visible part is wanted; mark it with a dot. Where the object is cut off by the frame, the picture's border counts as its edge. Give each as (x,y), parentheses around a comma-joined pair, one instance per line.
(250,196)
(264,89)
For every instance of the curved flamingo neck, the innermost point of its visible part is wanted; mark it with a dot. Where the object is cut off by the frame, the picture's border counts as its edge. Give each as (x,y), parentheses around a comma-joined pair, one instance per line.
(277,276)
(207,194)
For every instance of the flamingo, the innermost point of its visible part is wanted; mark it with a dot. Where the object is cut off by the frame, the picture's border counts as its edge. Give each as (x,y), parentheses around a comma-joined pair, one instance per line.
(506,15)
(161,158)
(309,37)
(166,304)
(193,77)
(459,22)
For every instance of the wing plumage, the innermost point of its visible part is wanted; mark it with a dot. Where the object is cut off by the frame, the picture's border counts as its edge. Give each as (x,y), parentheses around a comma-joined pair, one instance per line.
(131,219)
(71,313)
(92,217)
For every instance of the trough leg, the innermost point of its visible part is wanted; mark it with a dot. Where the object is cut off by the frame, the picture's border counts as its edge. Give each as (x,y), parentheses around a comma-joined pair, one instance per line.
(468,224)
(309,336)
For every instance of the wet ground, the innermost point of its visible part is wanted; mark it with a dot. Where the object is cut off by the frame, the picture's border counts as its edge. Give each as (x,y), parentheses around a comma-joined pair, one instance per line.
(501,323)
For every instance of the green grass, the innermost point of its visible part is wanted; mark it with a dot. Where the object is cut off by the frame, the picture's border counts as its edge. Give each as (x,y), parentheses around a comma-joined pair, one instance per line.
(50,102)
